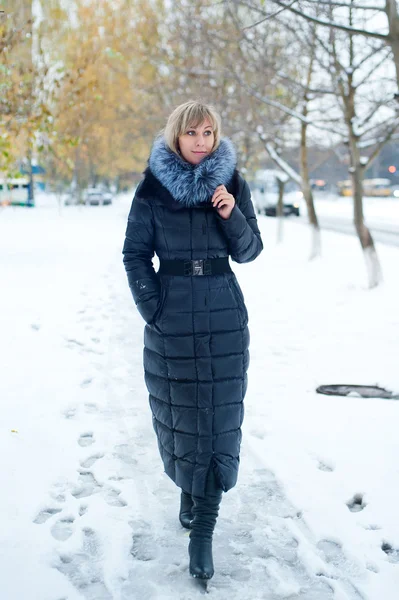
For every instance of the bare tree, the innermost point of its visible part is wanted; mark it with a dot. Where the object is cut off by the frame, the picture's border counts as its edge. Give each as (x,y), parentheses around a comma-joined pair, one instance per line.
(387,7)
(299,93)
(355,69)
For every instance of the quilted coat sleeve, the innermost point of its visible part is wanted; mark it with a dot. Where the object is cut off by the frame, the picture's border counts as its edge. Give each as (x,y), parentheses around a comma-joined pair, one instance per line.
(138,251)
(241,229)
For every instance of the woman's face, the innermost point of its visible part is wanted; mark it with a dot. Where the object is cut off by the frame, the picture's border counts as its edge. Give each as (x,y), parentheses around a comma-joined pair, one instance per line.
(197,142)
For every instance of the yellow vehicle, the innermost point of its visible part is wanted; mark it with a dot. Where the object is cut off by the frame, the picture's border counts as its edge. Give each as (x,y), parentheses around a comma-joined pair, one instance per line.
(345,187)
(371,187)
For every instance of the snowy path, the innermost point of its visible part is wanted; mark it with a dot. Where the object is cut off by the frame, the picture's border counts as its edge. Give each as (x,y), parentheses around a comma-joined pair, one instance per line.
(89,513)
(263,548)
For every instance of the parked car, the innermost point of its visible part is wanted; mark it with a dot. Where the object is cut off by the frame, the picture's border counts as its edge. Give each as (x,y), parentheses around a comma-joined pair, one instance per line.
(288,209)
(70,200)
(265,193)
(96,197)
(266,204)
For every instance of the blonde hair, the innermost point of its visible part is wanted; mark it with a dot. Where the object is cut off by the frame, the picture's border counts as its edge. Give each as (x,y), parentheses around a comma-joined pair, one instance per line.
(190,114)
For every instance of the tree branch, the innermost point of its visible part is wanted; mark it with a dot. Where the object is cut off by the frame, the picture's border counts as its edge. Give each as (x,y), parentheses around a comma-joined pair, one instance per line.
(284,166)
(382,142)
(346,5)
(269,101)
(271,16)
(332,24)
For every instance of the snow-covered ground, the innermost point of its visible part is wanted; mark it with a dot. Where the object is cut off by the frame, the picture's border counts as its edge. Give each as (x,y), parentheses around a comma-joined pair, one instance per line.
(85,510)
(379,212)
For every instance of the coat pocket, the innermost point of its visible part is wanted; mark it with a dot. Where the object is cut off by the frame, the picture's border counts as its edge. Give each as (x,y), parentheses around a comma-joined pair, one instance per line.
(158,314)
(234,286)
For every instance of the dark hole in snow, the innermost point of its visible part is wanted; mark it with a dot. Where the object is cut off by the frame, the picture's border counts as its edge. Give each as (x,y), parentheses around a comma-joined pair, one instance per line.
(362,391)
(357,503)
(392,553)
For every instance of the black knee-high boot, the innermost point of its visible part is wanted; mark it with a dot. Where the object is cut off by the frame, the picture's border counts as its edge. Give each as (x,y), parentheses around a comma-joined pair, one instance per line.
(205,513)
(186,512)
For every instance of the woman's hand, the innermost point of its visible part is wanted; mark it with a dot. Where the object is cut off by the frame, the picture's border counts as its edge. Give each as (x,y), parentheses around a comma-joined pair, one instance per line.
(223,201)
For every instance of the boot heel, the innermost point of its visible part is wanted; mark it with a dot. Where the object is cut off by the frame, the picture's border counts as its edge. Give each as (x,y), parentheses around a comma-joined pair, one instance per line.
(201,559)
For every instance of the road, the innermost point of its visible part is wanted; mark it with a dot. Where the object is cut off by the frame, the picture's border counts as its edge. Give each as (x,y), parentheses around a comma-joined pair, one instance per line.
(382,232)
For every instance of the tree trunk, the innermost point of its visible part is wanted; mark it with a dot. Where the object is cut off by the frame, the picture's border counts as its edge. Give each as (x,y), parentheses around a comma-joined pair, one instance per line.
(280,210)
(75,187)
(31,191)
(373,266)
(393,21)
(315,249)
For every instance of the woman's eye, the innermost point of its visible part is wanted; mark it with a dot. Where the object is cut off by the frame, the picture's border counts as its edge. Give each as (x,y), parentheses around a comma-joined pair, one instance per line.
(192,132)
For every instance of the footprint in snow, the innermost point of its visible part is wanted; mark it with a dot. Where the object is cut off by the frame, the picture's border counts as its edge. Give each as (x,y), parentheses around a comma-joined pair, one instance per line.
(357,503)
(334,555)
(71,342)
(70,412)
(62,529)
(86,439)
(372,567)
(143,546)
(35,326)
(57,496)
(125,453)
(112,498)
(86,382)
(87,485)
(325,466)
(91,407)
(331,550)
(88,462)
(391,552)
(83,569)
(46,514)
(58,492)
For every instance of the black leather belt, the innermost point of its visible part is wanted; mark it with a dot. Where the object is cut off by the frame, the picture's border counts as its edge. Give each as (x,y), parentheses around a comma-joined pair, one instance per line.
(211,266)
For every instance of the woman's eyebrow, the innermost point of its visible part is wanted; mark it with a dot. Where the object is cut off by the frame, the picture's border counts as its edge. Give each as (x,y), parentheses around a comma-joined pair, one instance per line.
(195,128)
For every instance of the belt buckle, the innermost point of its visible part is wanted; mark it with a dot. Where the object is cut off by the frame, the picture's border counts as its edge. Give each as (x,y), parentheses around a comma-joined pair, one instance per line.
(197,267)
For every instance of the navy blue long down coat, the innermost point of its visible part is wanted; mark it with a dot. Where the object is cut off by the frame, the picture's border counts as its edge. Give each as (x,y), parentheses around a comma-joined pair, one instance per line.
(196,335)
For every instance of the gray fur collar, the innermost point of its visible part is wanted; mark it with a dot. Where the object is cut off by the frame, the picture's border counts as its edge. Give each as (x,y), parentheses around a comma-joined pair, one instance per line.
(189,184)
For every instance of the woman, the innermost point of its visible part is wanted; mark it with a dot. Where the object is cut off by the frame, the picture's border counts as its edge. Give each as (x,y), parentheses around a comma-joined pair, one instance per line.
(193,210)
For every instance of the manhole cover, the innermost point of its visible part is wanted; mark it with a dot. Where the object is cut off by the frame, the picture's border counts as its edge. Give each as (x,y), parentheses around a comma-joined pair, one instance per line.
(363,391)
